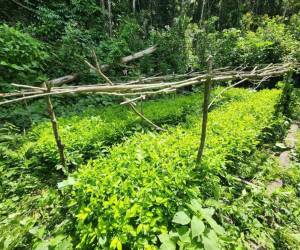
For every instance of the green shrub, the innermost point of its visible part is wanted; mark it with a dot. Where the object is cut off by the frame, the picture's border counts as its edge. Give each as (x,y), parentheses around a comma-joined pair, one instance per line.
(271,42)
(21,57)
(196,229)
(250,215)
(130,197)
(51,23)
(294,26)
(171,54)
(294,104)
(74,46)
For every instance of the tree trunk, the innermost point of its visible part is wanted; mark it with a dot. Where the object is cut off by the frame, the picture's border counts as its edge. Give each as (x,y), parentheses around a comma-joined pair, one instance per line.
(133,6)
(109,17)
(69,78)
(132,57)
(220,13)
(62,80)
(202,11)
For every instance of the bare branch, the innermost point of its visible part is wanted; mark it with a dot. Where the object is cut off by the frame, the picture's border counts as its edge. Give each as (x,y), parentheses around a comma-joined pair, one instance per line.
(131,104)
(224,90)
(154,85)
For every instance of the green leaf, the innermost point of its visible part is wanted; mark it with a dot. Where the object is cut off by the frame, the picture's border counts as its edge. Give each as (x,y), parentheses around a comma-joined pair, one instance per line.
(181,218)
(296,237)
(168,245)
(185,238)
(38,231)
(15,66)
(207,212)
(4,63)
(66,244)
(195,206)
(210,244)
(116,244)
(69,182)
(217,228)
(44,245)
(164,237)
(280,145)
(57,239)
(197,226)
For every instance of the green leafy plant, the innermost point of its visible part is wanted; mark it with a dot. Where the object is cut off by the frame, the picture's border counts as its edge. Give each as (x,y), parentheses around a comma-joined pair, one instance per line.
(21,57)
(89,134)
(131,196)
(196,231)
(171,55)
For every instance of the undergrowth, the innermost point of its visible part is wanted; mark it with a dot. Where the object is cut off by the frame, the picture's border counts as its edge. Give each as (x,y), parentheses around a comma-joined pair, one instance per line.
(148,192)
(32,207)
(130,197)
(91,132)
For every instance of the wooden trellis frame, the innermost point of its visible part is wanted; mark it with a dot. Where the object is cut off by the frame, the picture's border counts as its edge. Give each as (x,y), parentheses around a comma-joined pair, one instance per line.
(141,88)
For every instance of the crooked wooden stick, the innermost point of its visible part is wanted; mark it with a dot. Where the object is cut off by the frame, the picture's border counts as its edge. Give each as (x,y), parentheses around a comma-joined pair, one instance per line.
(205,109)
(59,144)
(224,90)
(142,97)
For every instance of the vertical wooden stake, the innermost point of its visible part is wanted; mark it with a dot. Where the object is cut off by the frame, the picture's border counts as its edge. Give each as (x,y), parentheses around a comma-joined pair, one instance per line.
(27,110)
(205,109)
(142,106)
(59,144)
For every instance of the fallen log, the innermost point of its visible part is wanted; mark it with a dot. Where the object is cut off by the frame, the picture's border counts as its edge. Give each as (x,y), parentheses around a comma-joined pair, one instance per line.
(63,80)
(132,57)
(69,78)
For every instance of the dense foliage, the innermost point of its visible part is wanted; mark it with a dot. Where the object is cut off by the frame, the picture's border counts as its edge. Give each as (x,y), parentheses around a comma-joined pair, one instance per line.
(32,206)
(127,186)
(234,32)
(89,133)
(130,196)
(21,57)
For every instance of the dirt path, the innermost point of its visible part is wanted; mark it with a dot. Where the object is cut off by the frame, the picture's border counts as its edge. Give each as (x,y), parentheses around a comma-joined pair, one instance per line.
(290,142)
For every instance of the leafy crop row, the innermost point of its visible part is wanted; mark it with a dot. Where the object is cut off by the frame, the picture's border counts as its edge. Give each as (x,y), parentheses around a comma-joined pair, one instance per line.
(129,198)
(90,133)
(31,206)
(87,135)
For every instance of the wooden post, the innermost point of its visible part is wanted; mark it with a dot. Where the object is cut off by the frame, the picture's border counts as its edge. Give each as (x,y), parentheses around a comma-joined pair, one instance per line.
(205,109)
(27,110)
(142,106)
(59,144)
